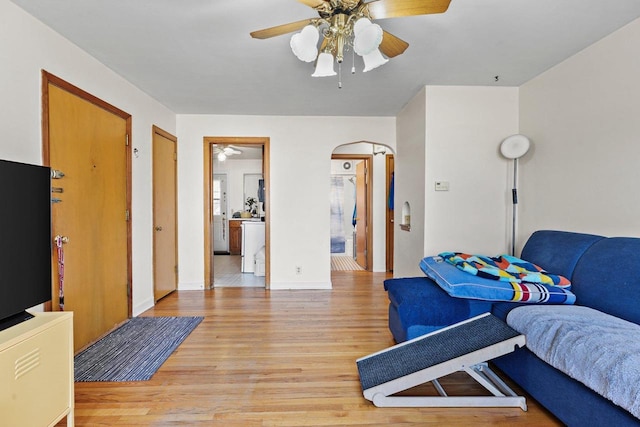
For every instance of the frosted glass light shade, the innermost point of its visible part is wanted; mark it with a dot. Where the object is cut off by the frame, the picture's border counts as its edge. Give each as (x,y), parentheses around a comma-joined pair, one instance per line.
(222,157)
(367,39)
(324,67)
(360,24)
(374,60)
(305,44)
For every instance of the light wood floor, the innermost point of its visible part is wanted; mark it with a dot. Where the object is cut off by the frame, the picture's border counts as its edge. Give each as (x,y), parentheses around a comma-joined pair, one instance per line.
(279,358)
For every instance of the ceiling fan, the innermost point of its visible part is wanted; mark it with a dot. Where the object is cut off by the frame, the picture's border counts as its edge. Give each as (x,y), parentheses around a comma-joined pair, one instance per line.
(341,25)
(222,152)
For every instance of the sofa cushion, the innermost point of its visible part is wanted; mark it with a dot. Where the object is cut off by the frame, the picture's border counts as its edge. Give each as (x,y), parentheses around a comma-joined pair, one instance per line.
(607,277)
(460,284)
(597,349)
(557,252)
(419,306)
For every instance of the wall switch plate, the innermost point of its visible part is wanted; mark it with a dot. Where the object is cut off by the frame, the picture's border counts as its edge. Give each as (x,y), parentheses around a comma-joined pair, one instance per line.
(442,185)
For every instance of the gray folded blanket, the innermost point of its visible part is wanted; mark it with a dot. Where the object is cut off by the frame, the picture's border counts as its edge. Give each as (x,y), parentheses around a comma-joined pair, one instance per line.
(599,350)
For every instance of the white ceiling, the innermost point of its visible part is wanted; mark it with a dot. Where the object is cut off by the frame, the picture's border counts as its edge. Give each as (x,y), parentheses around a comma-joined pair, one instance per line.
(196,56)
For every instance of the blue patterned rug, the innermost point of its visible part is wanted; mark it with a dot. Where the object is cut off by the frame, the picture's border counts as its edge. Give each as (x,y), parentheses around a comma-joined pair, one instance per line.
(133,351)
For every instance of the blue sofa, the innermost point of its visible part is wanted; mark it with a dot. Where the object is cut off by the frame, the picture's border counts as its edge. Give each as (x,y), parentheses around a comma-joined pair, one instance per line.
(605,275)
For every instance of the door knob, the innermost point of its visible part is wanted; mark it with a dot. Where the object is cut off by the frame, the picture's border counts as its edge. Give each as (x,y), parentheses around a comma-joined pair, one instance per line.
(158,228)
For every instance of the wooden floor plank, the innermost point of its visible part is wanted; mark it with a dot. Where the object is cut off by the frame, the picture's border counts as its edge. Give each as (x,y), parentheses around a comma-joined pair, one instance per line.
(278,358)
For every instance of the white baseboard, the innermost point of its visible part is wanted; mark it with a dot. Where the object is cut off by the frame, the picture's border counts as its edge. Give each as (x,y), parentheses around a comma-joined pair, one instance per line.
(142,307)
(193,286)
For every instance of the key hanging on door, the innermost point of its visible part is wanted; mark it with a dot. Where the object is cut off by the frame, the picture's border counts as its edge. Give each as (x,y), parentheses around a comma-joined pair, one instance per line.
(59,241)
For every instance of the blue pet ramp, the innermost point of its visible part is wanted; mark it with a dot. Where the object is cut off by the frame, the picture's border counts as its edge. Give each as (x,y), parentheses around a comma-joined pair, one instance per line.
(465,346)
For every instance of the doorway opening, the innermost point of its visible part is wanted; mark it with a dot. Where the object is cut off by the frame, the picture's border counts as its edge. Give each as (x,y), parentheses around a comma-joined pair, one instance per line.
(236,217)
(359,195)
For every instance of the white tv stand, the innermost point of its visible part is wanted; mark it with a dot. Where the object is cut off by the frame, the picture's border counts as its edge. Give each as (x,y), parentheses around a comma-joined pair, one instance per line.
(36,371)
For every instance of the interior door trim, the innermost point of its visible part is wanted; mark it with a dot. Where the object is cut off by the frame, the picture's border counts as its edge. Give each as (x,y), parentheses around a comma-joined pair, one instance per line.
(389,172)
(208,142)
(368,159)
(50,79)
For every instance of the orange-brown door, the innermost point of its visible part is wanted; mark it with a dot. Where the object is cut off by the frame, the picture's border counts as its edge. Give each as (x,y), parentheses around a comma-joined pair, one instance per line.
(390,172)
(88,144)
(165,230)
(361,214)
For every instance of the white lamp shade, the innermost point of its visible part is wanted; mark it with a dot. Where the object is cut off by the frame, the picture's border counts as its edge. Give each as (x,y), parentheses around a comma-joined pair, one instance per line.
(373,60)
(515,146)
(360,25)
(305,44)
(367,39)
(222,157)
(324,67)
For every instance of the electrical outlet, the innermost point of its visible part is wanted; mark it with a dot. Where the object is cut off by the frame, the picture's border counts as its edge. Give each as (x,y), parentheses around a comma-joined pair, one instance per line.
(298,269)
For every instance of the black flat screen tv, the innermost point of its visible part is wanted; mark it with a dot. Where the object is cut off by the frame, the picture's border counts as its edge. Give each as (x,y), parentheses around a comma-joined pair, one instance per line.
(25,240)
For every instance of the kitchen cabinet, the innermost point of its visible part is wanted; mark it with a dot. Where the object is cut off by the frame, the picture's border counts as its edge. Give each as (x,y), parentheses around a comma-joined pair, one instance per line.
(235,237)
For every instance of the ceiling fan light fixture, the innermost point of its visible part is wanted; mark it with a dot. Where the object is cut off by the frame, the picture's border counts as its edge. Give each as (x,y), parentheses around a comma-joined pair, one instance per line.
(222,157)
(367,36)
(348,24)
(373,60)
(360,25)
(304,44)
(324,67)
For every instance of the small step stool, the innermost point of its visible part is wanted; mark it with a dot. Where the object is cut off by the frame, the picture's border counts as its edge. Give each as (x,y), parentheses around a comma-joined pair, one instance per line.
(465,346)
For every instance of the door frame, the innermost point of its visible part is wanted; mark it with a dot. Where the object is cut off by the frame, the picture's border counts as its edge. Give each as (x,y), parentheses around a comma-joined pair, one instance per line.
(155,130)
(368,159)
(47,79)
(208,143)
(390,231)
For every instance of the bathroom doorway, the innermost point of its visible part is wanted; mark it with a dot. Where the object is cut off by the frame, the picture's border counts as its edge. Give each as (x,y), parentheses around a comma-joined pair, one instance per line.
(361,206)
(351,234)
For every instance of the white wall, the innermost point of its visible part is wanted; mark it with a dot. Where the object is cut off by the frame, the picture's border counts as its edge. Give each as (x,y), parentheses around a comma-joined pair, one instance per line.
(409,182)
(26,47)
(301,150)
(583,117)
(452,134)
(465,126)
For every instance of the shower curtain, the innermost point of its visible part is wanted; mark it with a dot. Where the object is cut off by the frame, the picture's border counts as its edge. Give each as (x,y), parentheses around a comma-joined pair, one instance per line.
(337,215)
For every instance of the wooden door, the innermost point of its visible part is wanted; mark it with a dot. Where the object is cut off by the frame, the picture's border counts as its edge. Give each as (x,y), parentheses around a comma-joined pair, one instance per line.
(390,205)
(165,229)
(87,140)
(361,214)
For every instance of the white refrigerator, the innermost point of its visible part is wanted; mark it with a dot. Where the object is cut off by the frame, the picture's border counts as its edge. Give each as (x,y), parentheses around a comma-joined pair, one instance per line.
(252,241)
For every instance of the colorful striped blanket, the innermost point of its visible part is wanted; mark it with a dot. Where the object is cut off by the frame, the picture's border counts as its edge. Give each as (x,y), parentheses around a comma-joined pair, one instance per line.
(505,268)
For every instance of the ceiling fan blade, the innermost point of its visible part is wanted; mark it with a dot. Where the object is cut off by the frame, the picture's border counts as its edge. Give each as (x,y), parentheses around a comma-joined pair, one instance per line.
(281,29)
(392,46)
(381,9)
